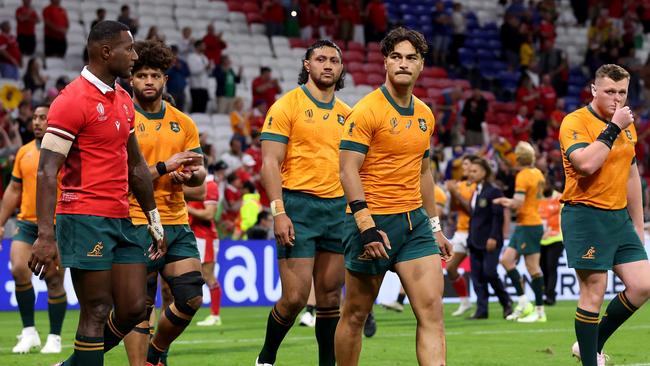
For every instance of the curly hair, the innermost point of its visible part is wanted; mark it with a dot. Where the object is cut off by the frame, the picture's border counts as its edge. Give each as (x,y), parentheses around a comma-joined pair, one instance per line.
(152,54)
(401,34)
(304,74)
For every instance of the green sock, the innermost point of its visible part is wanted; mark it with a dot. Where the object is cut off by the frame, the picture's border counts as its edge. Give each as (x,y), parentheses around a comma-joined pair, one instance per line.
(87,351)
(25,297)
(617,312)
(538,288)
(586,325)
(516,281)
(113,332)
(326,321)
(154,353)
(277,328)
(56,307)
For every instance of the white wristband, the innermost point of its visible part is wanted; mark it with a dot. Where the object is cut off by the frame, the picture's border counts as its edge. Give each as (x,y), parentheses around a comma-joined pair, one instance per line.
(435,224)
(157,231)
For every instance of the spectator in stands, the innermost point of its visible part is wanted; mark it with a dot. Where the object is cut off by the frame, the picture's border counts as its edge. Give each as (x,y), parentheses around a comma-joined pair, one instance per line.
(265,87)
(376,20)
(250,208)
(549,57)
(154,35)
(177,79)
(239,120)
(10,57)
(53,92)
(263,229)
(26,19)
(227,81)
(546,31)
(34,79)
(125,18)
(101,15)
(186,44)
(255,151)
(56,27)
(521,125)
(511,40)
(458,29)
(306,18)
(233,157)
(199,67)
(214,45)
(231,203)
(527,94)
(448,114)
(539,130)
(526,52)
(326,19)
(24,121)
(441,33)
(349,15)
(474,112)
(556,117)
(273,14)
(258,114)
(547,95)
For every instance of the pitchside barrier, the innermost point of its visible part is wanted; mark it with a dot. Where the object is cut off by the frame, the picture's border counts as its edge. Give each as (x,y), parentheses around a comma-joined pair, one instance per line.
(248,273)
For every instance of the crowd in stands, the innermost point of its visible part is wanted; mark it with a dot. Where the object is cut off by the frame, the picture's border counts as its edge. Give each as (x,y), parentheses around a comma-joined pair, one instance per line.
(490,83)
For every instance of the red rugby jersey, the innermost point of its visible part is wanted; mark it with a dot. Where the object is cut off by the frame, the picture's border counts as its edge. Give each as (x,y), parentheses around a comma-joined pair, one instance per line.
(205,229)
(98,119)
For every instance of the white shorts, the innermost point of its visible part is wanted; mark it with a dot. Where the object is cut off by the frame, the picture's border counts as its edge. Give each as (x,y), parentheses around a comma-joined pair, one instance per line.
(208,249)
(459,242)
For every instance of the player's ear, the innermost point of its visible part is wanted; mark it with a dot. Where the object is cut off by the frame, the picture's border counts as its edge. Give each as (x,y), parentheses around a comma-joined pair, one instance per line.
(304,64)
(593,90)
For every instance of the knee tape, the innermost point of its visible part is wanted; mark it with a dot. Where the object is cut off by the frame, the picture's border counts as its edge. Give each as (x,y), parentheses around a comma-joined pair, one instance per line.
(152,287)
(185,288)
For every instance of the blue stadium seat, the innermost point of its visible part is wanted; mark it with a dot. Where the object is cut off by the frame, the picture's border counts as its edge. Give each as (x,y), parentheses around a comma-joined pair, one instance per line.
(467,57)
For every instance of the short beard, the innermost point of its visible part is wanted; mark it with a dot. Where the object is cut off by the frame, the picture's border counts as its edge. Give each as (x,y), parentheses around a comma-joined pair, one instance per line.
(140,97)
(324,84)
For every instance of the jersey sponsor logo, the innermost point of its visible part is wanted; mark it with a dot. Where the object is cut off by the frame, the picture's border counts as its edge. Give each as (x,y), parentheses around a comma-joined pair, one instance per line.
(175,127)
(423,124)
(340,119)
(100,109)
(393,126)
(97,250)
(590,254)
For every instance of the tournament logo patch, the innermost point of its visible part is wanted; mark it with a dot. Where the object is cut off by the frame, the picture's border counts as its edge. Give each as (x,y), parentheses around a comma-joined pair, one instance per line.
(340,119)
(175,127)
(270,122)
(423,124)
(100,109)
(393,126)
(309,113)
(575,135)
(352,126)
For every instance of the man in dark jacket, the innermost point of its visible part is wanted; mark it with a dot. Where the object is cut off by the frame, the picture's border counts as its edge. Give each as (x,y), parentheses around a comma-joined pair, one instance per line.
(485,239)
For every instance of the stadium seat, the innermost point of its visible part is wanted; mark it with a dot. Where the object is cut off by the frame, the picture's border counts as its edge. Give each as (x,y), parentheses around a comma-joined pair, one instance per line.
(434,72)
(375,57)
(375,79)
(373,68)
(354,67)
(360,78)
(353,56)
(355,46)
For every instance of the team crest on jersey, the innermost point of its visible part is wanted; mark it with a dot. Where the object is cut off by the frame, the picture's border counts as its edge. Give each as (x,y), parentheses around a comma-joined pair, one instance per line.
(326,116)
(100,109)
(97,250)
(393,126)
(175,127)
(352,126)
(340,119)
(423,124)
(628,134)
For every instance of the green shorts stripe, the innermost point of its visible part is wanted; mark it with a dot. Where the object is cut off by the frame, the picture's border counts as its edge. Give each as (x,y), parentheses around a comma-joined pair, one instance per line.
(526,239)
(181,243)
(26,231)
(96,243)
(317,222)
(597,239)
(410,238)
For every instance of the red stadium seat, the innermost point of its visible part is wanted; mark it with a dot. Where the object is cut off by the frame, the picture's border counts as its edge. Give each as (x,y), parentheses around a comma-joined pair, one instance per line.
(353,56)
(235,6)
(376,79)
(360,78)
(489,96)
(250,7)
(354,67)
(296,42)
(375,57)
(462,83)
(254,18)
(434,72)
(373,47)
(428,82)
(373,68)
(420,92)
(434,92)
(356,46)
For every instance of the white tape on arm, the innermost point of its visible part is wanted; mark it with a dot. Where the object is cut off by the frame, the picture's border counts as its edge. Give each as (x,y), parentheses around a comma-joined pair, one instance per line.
(435,224)
(56,144)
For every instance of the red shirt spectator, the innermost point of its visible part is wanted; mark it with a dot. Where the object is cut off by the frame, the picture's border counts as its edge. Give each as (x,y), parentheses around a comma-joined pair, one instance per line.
(9,44)
(214,45)
(56,20)
(376,11)
(273,11)
(326,17)
(521,125)
(265,88)
(26,19)
(349,10)
(306,14)
(547,95)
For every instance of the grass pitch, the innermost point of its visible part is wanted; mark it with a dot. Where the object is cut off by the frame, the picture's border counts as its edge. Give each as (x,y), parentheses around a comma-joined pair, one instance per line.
(493,342)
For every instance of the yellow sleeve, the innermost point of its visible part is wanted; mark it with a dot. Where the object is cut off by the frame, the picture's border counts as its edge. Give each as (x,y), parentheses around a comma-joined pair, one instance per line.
(278,122)
(440,196)
(522,182)
(573,135)
(191,136)
(16,174)
(358,130)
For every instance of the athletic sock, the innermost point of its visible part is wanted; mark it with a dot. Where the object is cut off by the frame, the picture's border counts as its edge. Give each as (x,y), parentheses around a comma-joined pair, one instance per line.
(277,328)
(617,312)
(56,307)
(87,351)
(215,299)
(310,309)
(538,288)
(515,278)
(326,321)
(25,297)
(460,285)
(154,353)
(400,298)
(586,325)
(113,332)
